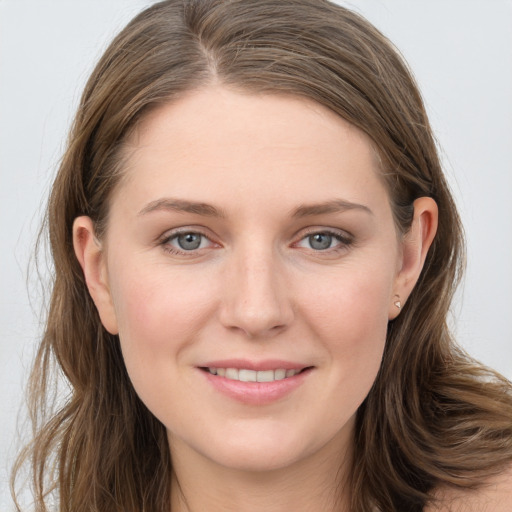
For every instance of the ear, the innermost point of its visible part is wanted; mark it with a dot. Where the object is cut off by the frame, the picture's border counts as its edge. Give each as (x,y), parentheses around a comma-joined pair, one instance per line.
(91,257)
(415,245)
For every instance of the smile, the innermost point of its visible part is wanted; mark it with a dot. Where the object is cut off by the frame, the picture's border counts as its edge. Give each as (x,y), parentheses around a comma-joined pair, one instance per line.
(246,375)
(252,383)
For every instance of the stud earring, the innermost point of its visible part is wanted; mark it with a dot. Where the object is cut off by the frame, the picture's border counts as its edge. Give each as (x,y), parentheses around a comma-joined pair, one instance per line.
(397,303)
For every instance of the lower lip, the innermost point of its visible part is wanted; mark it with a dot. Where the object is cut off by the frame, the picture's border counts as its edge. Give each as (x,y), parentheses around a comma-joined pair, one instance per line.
(256,393)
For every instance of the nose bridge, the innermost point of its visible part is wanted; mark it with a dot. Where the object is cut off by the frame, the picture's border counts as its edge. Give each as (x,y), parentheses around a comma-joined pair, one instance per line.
(255,297)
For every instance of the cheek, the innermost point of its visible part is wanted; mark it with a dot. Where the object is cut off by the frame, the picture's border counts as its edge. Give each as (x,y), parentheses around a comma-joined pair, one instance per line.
(352,302)
(159,314)
(350,318)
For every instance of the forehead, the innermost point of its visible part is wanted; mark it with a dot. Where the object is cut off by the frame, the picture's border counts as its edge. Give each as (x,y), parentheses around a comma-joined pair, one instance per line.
(276,145)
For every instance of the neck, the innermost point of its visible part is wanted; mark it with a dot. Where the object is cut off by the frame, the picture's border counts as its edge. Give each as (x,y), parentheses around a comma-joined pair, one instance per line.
(315,484)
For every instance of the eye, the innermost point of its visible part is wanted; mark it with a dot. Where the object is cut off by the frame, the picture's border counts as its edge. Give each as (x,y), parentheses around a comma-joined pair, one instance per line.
(320,241)
(185,242)
(324,240)
(189,241)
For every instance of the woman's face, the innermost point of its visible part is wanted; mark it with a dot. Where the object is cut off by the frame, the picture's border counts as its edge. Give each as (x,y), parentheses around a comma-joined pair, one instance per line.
(250,239)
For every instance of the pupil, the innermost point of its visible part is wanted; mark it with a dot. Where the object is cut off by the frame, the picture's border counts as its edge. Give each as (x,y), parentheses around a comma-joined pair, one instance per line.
(189,241)
(320,241)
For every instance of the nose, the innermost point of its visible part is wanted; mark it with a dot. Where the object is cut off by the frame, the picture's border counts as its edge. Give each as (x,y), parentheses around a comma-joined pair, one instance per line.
(255,298)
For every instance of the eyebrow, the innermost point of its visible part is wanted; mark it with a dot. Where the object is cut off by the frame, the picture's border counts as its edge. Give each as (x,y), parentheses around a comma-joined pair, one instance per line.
(181,205)
(205,209)
(333,206)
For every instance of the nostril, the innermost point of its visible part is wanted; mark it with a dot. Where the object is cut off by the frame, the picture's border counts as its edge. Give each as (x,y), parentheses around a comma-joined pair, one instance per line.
(256,301)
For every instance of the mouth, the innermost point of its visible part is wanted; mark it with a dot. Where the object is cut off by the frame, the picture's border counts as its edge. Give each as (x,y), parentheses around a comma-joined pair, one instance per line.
(248,375)
(256,382)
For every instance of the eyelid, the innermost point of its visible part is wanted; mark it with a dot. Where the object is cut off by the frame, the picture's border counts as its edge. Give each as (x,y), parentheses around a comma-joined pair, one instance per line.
(169,235)
(313,230)
(346,239)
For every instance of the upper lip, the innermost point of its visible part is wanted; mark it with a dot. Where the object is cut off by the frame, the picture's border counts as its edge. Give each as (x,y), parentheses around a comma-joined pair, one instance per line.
(267,364)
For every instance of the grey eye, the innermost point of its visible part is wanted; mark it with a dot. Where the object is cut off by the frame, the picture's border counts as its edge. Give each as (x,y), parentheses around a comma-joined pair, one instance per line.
(189,241)
(320,241)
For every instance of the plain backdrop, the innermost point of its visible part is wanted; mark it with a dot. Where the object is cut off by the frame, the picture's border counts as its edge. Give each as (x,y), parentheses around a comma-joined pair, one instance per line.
(460,52)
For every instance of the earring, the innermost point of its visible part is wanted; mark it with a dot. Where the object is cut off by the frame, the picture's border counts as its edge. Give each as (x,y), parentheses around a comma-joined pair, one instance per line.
(397,303)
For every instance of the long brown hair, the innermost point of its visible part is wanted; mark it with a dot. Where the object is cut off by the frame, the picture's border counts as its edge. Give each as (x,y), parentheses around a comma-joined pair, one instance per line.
(433,417)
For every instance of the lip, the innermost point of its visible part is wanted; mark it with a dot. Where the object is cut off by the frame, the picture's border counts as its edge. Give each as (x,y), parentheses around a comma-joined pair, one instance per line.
(267,364)
(256,393)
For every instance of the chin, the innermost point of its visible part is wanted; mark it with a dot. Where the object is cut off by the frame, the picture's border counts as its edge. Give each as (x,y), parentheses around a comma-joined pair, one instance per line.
(257,459)
(268,449)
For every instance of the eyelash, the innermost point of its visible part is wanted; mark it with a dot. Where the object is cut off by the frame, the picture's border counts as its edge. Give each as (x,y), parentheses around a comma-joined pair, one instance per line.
(165,242)
(345,241)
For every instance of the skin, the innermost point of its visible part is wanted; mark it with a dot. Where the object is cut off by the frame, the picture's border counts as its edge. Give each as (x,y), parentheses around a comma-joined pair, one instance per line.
(255,289)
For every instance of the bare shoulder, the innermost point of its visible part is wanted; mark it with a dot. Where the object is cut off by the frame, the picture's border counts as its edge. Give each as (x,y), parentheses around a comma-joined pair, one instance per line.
(494,496)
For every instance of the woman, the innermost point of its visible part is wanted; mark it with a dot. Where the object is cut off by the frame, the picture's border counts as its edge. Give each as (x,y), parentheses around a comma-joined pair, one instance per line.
(255,253)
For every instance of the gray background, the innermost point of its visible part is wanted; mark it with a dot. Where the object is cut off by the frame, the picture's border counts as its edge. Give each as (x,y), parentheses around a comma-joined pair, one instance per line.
(460,52)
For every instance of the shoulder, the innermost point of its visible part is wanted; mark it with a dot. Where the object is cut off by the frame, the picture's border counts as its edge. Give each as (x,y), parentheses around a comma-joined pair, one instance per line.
(494,496)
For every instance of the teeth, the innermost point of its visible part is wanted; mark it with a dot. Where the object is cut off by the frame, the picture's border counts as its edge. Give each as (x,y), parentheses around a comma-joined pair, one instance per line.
(245,375)
(266,376)
(280,374)
(232,373)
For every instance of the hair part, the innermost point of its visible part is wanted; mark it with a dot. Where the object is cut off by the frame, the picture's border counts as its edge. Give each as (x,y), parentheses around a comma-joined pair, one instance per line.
(429,418)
